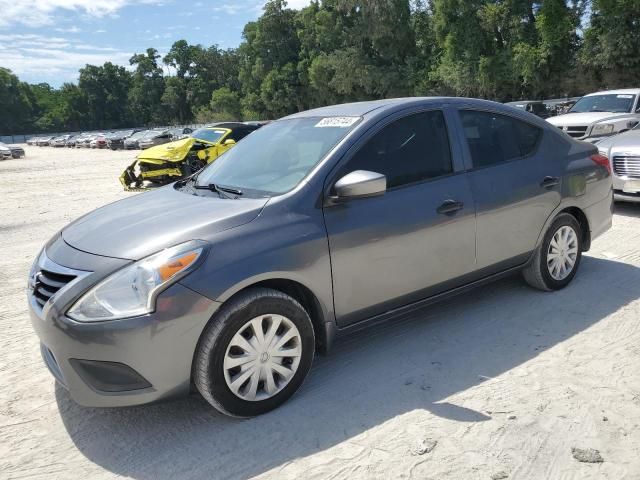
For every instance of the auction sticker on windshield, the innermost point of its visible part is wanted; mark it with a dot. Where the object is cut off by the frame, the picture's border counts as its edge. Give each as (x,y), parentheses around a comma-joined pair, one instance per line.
(340,122)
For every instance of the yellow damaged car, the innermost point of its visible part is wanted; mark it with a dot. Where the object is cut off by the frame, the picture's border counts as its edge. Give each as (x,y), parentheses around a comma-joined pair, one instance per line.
(167,163)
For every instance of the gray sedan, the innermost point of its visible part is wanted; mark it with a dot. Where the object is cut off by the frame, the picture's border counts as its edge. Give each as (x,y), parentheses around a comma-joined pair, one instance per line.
(228,282)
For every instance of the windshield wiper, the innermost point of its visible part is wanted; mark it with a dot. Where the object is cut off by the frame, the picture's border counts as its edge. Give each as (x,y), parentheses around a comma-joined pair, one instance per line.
(224,192)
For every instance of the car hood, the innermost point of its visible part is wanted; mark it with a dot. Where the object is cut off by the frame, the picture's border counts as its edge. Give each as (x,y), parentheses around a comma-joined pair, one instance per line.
(627,141)
(169,152)
(585,118)
(138,226)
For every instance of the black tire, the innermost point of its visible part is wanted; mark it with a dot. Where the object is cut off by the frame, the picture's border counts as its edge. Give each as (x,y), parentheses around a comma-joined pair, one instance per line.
(208,372)
(536,273)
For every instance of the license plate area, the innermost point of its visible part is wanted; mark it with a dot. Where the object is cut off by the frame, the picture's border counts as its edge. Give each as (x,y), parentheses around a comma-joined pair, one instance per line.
(631,186)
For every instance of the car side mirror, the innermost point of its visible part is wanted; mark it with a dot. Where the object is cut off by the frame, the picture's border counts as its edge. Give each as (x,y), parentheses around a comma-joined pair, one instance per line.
(229,142)
(359,184)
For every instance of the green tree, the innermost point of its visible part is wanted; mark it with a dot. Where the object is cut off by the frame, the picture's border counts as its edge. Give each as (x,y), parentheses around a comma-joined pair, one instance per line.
(224,106)
(268,59)
(105,90)
(175,100)
(17,103)
(145,95)
(611,50)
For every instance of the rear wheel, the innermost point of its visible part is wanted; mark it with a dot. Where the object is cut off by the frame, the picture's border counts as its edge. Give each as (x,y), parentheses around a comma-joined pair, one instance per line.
(556,261)
(255,353)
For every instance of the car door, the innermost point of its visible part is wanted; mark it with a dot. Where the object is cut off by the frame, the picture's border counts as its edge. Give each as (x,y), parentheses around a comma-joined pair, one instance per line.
(394,249)
(515,184)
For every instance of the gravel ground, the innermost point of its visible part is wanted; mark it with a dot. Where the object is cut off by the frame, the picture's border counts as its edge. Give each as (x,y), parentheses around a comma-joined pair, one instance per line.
(505,382)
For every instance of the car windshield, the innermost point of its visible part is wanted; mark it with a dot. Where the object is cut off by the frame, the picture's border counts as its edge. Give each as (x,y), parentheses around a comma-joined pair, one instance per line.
(138,135)
(616,103)
(154,133)
(275,158)
(210,135)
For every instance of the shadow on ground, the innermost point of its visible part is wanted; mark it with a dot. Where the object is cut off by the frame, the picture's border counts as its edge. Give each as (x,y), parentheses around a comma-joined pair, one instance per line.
(371,377)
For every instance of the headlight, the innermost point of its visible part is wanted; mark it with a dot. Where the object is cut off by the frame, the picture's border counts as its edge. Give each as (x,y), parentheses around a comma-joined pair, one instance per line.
(603,129)
(132,291)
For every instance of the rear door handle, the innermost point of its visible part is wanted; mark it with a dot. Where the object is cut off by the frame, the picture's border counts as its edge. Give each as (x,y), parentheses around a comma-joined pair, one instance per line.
(450,207)
(549,182)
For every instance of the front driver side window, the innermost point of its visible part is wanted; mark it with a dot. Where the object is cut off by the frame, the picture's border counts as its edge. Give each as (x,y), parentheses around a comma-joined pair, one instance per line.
(408,150)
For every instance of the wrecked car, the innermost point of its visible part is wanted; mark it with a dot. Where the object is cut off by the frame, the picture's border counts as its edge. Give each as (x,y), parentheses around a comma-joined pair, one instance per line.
(167,163)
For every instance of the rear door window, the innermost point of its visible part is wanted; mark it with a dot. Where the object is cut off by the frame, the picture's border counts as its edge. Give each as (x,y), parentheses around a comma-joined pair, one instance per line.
(493,138)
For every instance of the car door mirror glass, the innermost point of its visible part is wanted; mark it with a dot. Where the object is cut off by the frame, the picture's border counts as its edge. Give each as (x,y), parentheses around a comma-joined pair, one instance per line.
(361,183)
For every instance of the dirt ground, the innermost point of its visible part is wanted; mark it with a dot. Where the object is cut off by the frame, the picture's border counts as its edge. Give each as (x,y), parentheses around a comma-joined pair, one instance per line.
(501,383)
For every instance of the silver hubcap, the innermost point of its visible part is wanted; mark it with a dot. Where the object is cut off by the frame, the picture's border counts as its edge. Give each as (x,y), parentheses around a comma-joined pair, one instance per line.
(262,357)
(562,253)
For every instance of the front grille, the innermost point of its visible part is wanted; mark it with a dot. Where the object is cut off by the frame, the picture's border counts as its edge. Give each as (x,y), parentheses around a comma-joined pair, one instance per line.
(627,166)
(47,284)
(575,131)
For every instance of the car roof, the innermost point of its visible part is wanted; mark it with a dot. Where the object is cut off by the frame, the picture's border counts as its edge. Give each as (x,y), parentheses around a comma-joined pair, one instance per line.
(634,91)
(226,125)
(356,109)
(520,102)
(381,108)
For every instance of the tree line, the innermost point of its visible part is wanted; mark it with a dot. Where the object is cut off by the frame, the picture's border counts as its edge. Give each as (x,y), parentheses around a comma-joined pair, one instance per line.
(336,51)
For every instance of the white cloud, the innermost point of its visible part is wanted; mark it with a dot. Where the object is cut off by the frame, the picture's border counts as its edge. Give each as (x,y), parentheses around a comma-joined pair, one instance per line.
(257,6)
(36,13)
(73,29)
(230,8)
(56,56)
(33,56)
(297,4)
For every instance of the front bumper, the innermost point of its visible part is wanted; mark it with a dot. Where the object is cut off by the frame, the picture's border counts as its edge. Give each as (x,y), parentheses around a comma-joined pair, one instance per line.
(120,362)
(620,196)
(626,189)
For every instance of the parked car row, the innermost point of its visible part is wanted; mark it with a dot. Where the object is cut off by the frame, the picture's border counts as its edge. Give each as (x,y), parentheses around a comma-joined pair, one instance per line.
(610,120)
(121,139)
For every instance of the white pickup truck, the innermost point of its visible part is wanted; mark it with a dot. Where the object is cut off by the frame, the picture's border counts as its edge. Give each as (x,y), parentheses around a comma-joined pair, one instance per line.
(600,115)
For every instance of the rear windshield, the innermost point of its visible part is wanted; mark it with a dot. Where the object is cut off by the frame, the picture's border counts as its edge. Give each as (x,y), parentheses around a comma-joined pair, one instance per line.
(208,134)
(137,135)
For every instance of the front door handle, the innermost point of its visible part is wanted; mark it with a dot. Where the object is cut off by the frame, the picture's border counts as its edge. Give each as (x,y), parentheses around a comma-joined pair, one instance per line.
(449,207)
(549,182)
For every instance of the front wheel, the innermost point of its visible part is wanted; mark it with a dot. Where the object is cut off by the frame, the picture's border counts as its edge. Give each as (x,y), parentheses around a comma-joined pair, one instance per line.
(255,353)
(557,259)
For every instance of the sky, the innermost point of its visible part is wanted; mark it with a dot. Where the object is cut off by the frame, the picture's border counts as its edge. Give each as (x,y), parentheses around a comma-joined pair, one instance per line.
(50,40)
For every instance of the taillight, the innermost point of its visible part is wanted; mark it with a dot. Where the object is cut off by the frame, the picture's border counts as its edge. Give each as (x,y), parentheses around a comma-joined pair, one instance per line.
(602,161)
